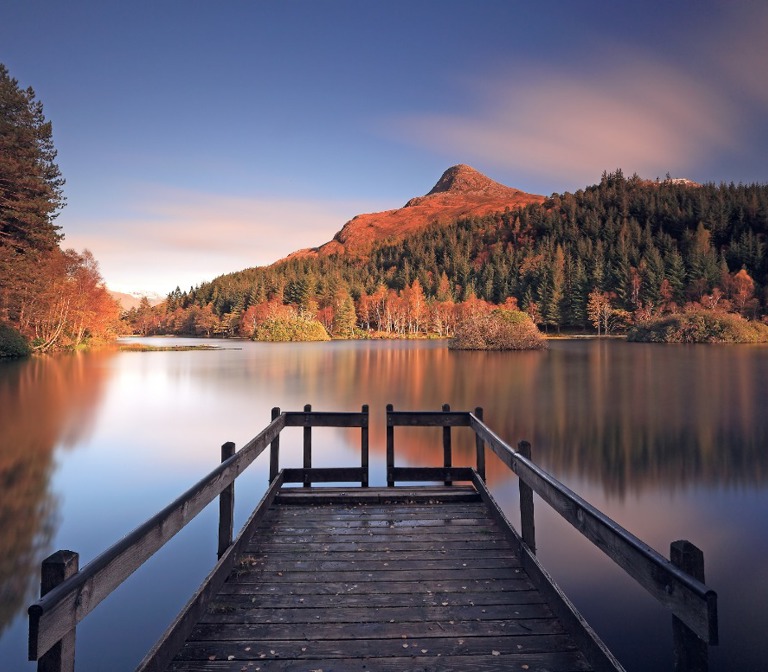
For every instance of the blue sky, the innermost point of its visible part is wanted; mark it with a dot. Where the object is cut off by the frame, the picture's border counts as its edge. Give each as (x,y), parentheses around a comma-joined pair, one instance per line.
(201,137)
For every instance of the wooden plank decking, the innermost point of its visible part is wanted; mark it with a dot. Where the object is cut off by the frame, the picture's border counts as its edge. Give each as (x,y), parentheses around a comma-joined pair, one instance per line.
(376,579)
(397,578)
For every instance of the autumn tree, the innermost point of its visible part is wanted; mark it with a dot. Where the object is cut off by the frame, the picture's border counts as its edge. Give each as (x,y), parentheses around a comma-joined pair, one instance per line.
(599,311)
(742,291)
(55,298)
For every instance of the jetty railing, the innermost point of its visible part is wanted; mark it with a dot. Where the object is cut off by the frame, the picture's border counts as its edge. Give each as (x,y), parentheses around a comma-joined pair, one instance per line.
(677,583)
(69,594)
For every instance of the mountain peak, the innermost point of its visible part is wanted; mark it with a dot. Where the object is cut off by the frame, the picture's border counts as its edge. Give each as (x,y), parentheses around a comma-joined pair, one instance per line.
(461,191)
(462,183)
(462,178)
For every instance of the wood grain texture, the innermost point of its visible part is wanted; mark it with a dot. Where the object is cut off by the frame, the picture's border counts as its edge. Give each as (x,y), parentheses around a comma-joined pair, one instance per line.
(382,583)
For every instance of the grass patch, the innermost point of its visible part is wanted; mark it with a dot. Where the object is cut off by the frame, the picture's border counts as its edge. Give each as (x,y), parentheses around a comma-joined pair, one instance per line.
(141,347)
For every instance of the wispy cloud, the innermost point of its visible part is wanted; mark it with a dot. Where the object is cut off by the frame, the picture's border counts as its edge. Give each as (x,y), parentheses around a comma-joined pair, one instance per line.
(642,117)
(176,237)
(620,107)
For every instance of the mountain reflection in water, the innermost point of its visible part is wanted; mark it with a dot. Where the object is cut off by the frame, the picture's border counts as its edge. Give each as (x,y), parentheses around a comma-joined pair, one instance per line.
(668,440)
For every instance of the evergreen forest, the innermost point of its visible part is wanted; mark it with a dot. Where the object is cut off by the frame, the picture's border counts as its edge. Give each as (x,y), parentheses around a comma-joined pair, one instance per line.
(600,260)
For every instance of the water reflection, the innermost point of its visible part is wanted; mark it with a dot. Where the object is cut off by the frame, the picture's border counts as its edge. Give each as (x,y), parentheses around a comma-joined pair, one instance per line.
(44,402)
(667,440)
(626,416)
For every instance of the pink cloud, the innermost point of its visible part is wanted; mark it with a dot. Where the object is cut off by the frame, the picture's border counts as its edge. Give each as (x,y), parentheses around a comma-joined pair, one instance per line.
(643,117)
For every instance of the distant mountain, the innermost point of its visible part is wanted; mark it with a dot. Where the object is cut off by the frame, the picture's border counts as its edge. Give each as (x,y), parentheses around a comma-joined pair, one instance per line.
(129,301)
(461,192)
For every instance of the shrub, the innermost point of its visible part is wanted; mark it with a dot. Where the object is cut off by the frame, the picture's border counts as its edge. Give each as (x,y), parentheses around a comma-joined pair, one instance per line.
(291,328)
(699,326)
(500,329)
(12,343)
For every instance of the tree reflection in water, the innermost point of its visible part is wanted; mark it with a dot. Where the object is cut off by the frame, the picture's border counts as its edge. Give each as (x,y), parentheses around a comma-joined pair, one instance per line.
(45,402)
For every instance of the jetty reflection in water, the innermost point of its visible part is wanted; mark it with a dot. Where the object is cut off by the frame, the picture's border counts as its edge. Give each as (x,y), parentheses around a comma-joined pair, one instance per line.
(668,440)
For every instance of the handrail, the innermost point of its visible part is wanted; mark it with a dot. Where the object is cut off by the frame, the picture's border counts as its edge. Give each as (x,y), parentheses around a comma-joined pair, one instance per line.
(688,598)
(61,609)
(58,611)
(55,615)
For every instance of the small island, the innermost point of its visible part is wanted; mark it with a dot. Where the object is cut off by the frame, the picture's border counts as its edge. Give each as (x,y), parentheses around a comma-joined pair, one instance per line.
(699,326)
(500,329)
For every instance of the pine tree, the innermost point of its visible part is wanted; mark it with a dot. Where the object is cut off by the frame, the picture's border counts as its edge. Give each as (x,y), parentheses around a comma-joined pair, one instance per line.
(30,182)
(30,198)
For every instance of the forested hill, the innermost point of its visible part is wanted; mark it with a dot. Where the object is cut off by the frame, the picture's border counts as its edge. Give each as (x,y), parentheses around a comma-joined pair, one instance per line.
(627,247)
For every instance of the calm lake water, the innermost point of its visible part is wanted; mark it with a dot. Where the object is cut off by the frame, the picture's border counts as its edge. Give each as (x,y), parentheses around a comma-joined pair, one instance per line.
(670,441)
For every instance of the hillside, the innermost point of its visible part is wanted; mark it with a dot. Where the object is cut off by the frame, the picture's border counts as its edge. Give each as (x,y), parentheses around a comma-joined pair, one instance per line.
(606,257)
(460,192)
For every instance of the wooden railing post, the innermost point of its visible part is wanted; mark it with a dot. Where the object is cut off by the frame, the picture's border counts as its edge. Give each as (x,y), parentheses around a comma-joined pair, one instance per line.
(307,445)
(226,505)
(57,568)
(364,447)
(691,653)
(480,447)
(447,446)
(527,525)
(274,452)
(390,448)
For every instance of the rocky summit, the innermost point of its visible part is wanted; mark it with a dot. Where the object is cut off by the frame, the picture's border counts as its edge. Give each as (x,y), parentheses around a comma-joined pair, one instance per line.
(460,192)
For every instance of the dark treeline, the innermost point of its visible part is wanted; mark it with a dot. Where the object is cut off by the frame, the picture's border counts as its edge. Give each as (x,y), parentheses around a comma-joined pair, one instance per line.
(604,257)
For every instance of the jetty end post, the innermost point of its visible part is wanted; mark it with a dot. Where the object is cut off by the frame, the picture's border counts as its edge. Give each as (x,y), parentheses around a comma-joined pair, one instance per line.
(390,449)
(527,525)
(447,447)
(274,451)
(480,447)
(364,447)
(691,653)
(307,445)
(56,569)
(226,506)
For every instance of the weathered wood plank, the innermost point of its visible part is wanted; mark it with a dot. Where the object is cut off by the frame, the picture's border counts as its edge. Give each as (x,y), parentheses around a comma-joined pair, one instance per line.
(413,544)
(569,661)
(285,600)
(324,475)
(408,614)
(403,474)
(446,510)
(325,419)
(380,495)
(296,562)
(380,523)
(422,629)
(302,649)
(363,576)
(319,581)
(384,535)
(428,419)
(262,587)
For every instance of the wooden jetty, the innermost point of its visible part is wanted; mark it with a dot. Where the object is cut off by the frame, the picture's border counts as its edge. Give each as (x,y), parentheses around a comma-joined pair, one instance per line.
(424,574)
